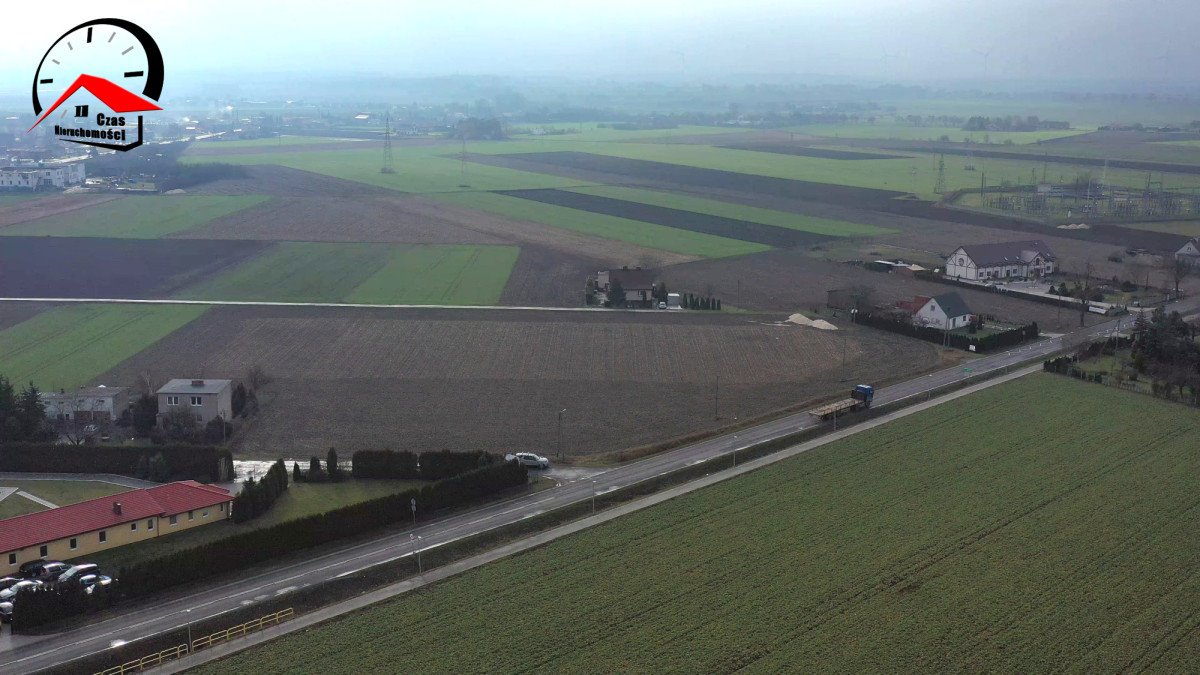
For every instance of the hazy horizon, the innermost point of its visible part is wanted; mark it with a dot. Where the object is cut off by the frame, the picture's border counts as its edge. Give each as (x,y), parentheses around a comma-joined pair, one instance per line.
(1116,43)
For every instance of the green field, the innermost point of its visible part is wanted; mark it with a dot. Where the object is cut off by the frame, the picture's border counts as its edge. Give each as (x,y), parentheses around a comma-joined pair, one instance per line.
(601,225)
(794,221)
(277,141)
(14,197)
(594,133)
(142,217)
(1042,525)
(60,492)
(66,347)
(366,273)
(905,132)
(300,500)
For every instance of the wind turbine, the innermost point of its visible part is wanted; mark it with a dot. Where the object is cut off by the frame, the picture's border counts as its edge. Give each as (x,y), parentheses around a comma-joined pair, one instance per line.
(987,55)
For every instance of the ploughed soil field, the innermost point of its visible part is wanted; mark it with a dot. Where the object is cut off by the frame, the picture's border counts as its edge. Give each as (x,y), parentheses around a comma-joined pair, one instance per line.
(806,151)
(50,205)
(85,267)
(714,183)
(956,149)
(495,380)
(282,181)
(732,228)
(790,281)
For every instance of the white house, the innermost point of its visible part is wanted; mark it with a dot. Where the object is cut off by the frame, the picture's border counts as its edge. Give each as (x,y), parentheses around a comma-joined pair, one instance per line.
(946,311)
(87,404)
(34,176)
(1016,259)
(1190,250)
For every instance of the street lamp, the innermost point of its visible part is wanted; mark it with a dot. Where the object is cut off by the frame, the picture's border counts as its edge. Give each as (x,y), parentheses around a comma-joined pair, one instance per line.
(415,539)
(593,496)
(188,611)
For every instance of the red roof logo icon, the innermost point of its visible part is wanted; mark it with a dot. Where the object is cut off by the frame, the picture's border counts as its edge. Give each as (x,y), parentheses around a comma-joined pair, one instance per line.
(118,99)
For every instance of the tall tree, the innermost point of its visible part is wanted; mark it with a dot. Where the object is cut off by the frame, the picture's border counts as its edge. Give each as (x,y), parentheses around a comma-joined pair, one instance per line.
(615,294)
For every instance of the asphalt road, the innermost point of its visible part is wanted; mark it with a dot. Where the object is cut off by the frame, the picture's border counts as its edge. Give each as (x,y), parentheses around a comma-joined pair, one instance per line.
(30,653)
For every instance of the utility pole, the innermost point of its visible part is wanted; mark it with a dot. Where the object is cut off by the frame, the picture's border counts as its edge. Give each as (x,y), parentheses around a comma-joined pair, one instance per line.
(388,166)
(560,438)
(717,398)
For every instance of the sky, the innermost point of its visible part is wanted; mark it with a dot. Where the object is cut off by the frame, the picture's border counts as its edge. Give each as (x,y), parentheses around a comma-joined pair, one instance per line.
(910,41)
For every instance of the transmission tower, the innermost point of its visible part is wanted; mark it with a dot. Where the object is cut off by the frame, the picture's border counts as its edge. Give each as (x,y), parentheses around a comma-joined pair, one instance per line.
(387,146)
(939,185)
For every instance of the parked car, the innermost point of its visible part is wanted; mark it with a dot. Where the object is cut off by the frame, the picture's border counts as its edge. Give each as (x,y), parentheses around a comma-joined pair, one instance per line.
(8,582)
(9,593)
(528,459)
(90,582)
(662,305)
(73,573)
(6,612)
(42,570)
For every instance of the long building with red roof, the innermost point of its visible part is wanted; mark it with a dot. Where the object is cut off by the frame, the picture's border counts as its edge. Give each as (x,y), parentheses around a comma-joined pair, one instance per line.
(106,522)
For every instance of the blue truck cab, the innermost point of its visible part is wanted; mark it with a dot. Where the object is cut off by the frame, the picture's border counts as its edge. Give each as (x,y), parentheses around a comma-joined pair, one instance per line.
(864,393)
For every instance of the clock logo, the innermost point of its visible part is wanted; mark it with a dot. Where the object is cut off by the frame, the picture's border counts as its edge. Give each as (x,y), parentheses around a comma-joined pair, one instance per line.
(101,73)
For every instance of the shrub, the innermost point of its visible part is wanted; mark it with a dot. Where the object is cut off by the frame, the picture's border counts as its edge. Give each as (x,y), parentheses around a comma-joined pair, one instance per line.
(256,498)
(36,606)
(197,462)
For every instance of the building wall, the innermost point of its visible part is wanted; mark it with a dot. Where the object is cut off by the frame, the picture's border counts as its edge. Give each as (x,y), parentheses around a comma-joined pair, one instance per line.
(211,405)
(961,266)
(118,535)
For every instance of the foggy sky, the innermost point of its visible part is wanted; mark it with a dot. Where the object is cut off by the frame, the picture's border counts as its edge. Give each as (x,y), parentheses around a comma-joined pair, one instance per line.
(912,41)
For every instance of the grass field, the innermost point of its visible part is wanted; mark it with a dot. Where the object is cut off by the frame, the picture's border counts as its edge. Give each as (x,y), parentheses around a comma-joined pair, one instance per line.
(300,500)
(368,273)
(1004,531)
(277,141)
(610,227)
(794,221)
(60,492)
(66,347)
(140,217)
(904,132)
(14,197)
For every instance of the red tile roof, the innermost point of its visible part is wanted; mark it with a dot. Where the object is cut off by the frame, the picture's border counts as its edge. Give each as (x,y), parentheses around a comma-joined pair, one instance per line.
(43,527)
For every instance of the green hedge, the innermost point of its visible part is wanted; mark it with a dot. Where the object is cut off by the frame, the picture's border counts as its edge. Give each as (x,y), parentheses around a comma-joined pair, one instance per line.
(257,497)
(44,605)
(241,550)
(196,462)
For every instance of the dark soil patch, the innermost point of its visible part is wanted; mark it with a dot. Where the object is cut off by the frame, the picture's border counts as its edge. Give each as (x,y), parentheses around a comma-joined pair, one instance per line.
(1138,165)
(13,313)
(494,379)
(806,151)
(281,181)
(694,176)
(86,267)
(544,277)
(743,230)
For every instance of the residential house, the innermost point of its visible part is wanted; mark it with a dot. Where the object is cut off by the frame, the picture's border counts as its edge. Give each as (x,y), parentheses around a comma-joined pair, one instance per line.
(49,175)
(206,399)
(946,311)
(86,405)
(1016,259)
(637,283)
(99,524)
(1190,251)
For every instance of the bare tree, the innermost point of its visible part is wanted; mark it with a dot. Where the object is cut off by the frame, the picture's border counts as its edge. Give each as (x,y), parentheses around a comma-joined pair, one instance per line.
(1180,268)
(257,378)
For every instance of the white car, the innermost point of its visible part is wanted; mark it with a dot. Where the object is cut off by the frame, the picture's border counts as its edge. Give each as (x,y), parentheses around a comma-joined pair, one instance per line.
(528,459)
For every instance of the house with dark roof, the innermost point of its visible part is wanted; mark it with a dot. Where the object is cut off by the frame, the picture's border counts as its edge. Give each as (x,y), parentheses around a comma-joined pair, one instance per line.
(637,283)
(1008,260)
(106,522)
(1190,251)
(946,311)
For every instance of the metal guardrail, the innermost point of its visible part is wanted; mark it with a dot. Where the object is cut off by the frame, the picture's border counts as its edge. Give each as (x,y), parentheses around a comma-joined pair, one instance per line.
(150,661)
(183,650)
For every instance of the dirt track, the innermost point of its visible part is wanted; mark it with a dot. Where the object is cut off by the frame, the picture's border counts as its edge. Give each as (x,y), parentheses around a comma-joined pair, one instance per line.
(51,205)
(433,379)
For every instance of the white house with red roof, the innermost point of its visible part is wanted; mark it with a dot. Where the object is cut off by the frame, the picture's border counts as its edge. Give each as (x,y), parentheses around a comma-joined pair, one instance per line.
(106,522)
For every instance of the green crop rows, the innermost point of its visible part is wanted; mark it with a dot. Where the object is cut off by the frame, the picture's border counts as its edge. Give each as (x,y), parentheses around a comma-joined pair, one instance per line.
(1044,524)
(66,347)
(365,273)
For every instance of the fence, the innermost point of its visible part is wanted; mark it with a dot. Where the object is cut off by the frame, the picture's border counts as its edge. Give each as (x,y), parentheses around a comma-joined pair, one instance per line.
(183,650)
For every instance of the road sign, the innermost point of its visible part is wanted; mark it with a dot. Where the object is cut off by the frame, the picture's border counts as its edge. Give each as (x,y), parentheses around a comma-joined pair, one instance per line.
(413,503)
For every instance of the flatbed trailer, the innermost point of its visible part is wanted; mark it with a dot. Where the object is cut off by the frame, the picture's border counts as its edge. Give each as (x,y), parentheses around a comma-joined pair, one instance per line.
(860,398)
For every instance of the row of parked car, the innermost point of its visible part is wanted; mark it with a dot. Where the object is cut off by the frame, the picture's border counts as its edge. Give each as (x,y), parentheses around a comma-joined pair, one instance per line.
(49,574)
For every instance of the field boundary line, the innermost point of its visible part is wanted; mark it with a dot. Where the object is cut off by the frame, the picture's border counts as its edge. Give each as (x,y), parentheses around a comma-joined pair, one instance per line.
(453,569)
(273,303)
